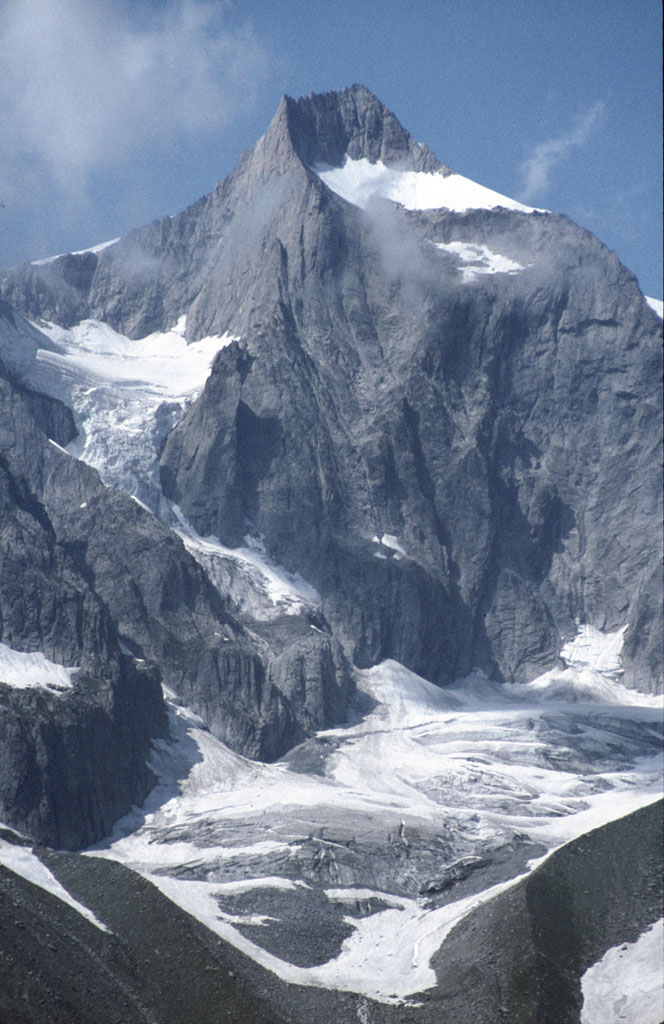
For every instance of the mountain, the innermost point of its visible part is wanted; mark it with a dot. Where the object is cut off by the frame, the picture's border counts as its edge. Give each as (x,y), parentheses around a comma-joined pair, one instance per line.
(360,460)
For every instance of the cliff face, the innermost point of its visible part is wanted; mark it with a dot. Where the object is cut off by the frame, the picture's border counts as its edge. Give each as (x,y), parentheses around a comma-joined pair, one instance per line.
(486,421)
(95,582)
(349,407)
(71,762)
(444,417)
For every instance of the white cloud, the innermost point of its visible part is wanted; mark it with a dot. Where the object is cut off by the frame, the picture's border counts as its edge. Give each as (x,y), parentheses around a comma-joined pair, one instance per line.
(537,168)
(88,85)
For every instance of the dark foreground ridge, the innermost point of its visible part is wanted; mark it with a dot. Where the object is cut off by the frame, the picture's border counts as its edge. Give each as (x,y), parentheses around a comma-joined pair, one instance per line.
(520,957)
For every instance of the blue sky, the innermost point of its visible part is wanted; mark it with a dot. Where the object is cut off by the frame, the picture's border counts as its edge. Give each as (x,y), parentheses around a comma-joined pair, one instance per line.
(114,113)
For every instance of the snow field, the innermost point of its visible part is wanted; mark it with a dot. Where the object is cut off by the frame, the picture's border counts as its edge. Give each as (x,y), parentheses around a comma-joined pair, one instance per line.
(359,182)
(625,986)
(25,671)
(484,759)
(479,260)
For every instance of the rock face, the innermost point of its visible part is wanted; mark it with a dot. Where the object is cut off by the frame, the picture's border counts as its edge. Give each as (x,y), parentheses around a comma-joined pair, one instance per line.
(92,580)
(70,763)
(489,425)
(431,433)
(463,463)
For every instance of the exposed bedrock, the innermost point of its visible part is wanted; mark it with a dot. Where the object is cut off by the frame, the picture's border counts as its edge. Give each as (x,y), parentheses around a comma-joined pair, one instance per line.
(95,583)
(454,470)
(502,428)
(70,762)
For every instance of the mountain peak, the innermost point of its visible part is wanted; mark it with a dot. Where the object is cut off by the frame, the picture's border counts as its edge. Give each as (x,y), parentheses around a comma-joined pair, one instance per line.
(325,128)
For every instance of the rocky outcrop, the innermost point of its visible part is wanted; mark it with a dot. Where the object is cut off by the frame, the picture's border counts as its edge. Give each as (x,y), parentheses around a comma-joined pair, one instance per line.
(523,954)
(91,579)
(70,763)
(154,963)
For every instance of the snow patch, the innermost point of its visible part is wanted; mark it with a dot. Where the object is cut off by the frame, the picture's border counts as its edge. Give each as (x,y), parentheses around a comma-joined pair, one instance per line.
(591,648)
(625,986)
(254,582)
(32,671)
(592,673)
(359,182)
(657,305)
(126,395)
(77,252)
(479,259)
(389,540)
(22,861)
(57,446)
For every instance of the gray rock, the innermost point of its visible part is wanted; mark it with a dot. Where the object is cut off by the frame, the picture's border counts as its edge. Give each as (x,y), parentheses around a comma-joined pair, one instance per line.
(490,426)
(70,763)
(142,589)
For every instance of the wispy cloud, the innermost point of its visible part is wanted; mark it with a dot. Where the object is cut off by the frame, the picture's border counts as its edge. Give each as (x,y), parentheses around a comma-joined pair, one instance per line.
(87,86)
(545,156)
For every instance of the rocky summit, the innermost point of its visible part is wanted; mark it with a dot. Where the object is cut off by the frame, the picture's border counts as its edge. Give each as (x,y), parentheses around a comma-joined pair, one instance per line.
(330,602)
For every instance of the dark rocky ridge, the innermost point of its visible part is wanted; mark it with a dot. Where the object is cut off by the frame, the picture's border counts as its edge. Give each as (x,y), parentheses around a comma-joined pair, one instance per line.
(163,969)
(519,957)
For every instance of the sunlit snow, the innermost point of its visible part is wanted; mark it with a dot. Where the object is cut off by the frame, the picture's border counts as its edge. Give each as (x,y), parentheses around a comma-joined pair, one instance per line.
(79,252)
(479,260)
(387,957)
(126,395)
(657,305)
(255,583)
(31,670)
(22,861)
(625,986)
(161,364)
(389,540)
(547,761)
(359,182)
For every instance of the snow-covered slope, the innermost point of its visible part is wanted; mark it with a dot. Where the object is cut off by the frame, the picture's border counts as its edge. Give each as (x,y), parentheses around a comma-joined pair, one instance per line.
(32,670)
(23,861)
(125,394)
(428,789)
(360,181)
(625,986)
